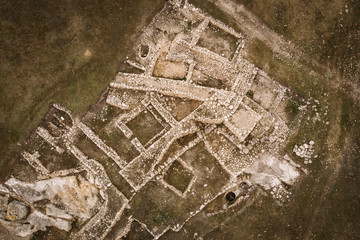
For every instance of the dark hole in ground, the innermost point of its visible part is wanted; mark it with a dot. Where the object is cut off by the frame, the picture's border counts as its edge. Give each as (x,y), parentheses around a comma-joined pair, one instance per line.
(144,51)
(250,94)
(230,196)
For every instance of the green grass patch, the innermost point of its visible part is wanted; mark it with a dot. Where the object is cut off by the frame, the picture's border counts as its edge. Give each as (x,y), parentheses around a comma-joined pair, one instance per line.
(178,176)
(145,126)
(292,108)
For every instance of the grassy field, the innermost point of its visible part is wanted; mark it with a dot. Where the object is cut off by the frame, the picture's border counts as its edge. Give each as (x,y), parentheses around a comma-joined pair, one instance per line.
(327,30)
(65,52)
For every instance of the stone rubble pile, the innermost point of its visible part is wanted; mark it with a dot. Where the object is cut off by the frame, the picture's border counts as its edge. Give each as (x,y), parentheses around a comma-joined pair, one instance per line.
(305,151)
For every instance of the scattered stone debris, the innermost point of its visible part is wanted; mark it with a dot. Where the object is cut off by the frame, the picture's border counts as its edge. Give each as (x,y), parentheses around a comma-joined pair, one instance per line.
(305,151)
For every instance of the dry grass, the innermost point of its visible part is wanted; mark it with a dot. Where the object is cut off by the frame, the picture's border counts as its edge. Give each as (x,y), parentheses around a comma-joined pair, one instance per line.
(64,52)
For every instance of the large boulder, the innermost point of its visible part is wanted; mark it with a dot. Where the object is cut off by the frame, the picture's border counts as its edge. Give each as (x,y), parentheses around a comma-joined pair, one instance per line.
(16,210)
